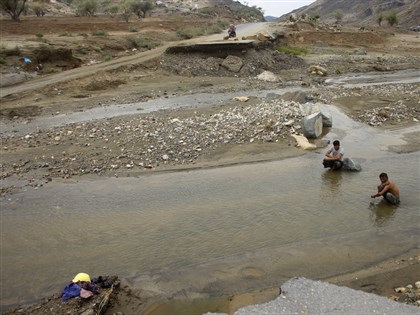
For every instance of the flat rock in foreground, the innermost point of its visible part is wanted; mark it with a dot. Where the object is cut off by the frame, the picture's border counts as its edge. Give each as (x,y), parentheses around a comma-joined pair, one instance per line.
(304,296)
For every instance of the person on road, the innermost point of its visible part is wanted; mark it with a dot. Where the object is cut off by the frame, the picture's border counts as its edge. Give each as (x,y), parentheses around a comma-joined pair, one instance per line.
(388,190)
(232,30)
(334,157)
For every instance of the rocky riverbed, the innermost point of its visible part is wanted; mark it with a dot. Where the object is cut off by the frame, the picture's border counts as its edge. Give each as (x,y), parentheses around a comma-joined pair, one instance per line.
(124,146)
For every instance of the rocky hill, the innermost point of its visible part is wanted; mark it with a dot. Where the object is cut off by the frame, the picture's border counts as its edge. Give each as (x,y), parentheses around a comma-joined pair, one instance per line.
(364,12)
(226,9)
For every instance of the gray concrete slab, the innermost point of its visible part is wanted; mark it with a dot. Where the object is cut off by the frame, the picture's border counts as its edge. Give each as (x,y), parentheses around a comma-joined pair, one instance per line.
(304,296)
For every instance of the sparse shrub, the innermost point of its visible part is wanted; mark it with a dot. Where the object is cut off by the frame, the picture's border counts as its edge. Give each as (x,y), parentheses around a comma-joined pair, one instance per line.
(222,24)
(39,35)
(314,17)
(207,10)
(191,32)
(99,33)
(133,29)
(296,51)
(106,57)
(140,42)
(134,41)
(2,61)
(50,70)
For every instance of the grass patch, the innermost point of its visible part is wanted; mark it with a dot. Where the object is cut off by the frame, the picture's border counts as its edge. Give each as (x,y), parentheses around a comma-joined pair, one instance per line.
(295,51)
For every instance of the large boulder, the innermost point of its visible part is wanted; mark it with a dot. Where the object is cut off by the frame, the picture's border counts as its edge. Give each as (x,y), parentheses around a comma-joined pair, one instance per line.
(351,165)
(312,125)
(232,63)
(310,108)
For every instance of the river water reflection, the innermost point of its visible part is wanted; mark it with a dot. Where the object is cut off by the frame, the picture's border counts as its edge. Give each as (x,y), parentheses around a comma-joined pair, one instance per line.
(256,224)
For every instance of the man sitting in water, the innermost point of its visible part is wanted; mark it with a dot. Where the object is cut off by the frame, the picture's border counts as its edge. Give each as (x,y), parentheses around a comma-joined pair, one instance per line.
(388,190)
(334,157)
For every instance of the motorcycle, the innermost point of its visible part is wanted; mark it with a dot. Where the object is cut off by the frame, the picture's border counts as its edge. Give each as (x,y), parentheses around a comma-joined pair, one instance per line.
(231,33)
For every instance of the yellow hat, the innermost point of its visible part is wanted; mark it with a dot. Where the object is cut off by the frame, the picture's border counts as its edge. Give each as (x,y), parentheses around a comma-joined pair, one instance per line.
(81,277)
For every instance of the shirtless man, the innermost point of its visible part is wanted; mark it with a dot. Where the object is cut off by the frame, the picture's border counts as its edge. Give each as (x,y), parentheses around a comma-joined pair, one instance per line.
(388,190)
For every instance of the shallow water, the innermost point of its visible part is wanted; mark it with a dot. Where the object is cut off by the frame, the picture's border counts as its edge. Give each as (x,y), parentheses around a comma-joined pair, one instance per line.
(215,231)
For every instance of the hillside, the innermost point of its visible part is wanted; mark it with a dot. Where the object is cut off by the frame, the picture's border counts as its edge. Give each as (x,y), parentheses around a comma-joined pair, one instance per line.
(364,12)
(224,9)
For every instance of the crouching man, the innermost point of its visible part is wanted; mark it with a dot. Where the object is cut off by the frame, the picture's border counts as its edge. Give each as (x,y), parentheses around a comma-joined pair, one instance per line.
(388,190)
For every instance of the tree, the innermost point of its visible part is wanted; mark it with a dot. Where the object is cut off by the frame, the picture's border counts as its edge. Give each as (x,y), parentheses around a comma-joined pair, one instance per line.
(38,8)
(125,8)
(338,16)
(86,7)
(380,19)
(14,8)
(140,7)
(392,18)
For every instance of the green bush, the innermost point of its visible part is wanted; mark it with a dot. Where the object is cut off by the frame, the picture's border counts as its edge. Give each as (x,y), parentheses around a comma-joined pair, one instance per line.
(191,32)
(208,11)
(133,29)
(2,61)
(140,42)
(392,18)
(314,16)
(99,33)
(296,51)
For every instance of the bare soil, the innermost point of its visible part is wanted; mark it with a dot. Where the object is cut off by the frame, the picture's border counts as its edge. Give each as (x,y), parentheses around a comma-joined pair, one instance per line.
(111,70)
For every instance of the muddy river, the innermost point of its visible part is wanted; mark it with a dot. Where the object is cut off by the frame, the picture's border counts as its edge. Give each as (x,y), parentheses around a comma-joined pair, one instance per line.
(215,231)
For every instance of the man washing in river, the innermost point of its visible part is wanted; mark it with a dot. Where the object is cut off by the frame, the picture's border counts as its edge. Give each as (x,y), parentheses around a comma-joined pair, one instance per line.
(388,190)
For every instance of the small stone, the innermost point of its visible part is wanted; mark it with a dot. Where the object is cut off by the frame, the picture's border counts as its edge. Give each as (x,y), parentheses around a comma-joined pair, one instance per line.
(400,290)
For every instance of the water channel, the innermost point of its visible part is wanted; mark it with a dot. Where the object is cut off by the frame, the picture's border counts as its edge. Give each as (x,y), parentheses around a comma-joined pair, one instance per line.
(215,231)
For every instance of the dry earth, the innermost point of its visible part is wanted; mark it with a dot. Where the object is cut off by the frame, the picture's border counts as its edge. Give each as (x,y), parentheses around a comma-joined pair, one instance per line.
(118,147)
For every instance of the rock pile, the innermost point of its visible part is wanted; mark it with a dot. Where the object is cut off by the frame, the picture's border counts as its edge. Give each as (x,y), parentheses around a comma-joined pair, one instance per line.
(408,294)
(148,141)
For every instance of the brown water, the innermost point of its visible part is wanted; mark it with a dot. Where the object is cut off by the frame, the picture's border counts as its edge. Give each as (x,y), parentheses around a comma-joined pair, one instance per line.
(215,231)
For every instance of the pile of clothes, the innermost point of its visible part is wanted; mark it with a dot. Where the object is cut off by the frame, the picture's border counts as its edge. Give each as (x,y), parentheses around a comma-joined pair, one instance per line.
(82,286)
